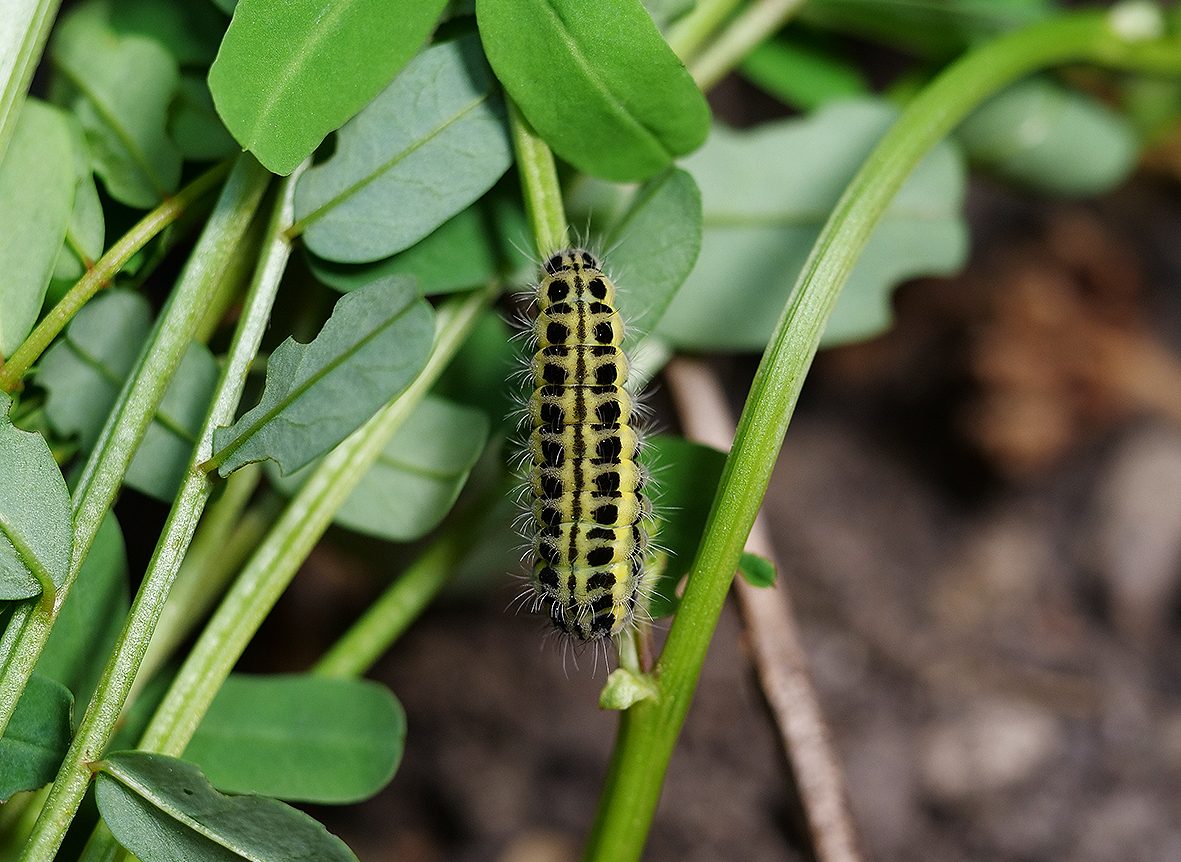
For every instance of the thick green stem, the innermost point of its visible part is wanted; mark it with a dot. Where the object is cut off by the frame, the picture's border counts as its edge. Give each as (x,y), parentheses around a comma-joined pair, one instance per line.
(100,275)
(132,414)
(648,731)
(281,553)
(24,28)
(225,233)
(539,186)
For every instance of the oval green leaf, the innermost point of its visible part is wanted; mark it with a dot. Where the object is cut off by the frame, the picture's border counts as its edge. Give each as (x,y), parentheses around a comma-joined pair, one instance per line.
(120,87)
(654,247)
(91,617)
(35,521)
(597,81)
(1052,139)
(86,231)
(414,482)
(766,193)
(758,571)
(36,199)
(291,71)
(428,146)
(162,809)
(369,350)
(36,738)
(300,738)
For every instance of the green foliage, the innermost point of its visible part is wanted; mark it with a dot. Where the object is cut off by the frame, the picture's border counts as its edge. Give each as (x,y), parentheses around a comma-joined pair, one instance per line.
(316,394)
(86,231)
(300,738)
(91,618)
(758,571)
(37,737)
(36,199)
(597,81)
(84,372)
(766,193)
(288,73)
(428,146)
(120,88)
(801,75)
(161,808)
(35,536)
(1052,139)
(418,475)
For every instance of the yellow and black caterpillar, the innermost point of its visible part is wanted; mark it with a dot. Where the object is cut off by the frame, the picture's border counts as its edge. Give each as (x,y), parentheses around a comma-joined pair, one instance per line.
(586,484)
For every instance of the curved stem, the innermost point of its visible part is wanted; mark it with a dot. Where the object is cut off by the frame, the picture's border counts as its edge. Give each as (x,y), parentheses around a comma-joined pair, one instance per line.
(648,731)
(744,33)
(100,275)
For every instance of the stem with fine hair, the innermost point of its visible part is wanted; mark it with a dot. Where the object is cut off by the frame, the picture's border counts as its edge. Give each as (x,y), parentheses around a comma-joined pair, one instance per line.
(102,475)
(539,185)
(648,731)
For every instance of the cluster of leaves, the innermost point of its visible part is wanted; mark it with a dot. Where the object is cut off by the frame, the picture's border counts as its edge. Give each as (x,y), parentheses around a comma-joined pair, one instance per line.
(393,120)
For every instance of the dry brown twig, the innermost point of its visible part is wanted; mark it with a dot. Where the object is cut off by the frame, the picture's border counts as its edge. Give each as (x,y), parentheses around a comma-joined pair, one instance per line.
(779,658)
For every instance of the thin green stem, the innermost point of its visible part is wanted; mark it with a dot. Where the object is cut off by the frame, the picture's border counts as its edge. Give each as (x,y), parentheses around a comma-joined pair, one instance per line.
(744,33)
(539,186)
(688,35)
(648,731)
(221,239)
(406,598)
(100,275)
(129,419)
(22,39)
(267,573)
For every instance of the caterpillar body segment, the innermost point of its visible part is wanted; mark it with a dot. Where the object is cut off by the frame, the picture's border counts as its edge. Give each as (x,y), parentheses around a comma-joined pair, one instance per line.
(588,509)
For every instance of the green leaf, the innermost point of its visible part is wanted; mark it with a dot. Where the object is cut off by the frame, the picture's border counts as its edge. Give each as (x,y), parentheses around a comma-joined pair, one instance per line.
(654,247)
(1052,139)
(459,255)
(35,523)
(291,71)
(300,738)
(36,198)
(428,146)
(801,75)
(120,87)
(597,81)
(476,376)
(757,570)
(36,738)
(371,348)
(418,475)
(163,810)
(91,617)
(194,124)
(86,231)
(766,194)
(83,373)
(688,475)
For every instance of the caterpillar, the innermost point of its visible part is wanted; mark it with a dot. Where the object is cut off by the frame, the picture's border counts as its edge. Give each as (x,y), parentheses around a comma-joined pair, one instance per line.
(588,508)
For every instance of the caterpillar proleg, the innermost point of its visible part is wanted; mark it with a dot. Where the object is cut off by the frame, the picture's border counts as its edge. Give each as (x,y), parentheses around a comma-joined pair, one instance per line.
(587,508)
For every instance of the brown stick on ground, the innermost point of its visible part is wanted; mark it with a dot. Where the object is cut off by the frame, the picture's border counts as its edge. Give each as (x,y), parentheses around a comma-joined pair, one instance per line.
(778,655)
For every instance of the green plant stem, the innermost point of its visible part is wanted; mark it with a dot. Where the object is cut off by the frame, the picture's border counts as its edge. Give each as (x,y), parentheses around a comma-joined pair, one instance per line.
(688,35)
(648,731)
(539,185)
(134,408)
(406,598)
(225,232)
(22,39)
(744,33)
(100,275)
(281,553)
